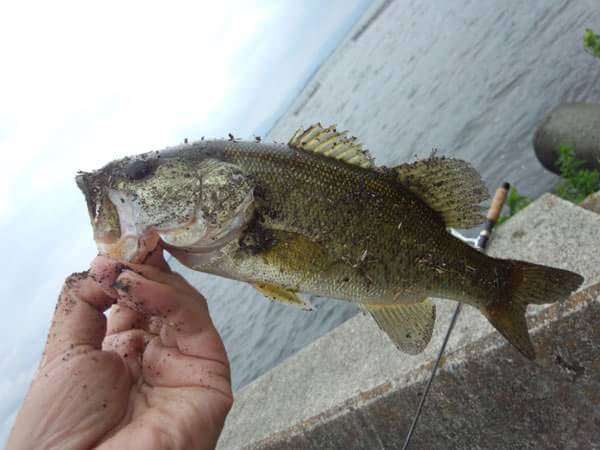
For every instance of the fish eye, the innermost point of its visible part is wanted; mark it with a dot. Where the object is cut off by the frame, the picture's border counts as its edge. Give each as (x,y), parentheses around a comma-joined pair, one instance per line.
(138,169)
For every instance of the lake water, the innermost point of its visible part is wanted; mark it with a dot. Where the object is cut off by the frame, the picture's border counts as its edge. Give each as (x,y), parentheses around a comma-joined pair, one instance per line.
(469,78)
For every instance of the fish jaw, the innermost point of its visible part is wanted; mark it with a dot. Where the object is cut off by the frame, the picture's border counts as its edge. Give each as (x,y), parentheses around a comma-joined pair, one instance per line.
(129,248)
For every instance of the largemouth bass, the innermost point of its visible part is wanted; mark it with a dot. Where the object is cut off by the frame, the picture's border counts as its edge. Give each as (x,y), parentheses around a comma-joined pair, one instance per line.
(317,216)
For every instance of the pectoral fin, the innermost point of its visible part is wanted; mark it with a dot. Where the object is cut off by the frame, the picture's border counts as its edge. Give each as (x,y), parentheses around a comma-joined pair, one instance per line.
(282,295)
(408,326)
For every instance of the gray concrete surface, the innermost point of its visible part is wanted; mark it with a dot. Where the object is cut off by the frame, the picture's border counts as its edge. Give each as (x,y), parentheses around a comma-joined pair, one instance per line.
(352,389)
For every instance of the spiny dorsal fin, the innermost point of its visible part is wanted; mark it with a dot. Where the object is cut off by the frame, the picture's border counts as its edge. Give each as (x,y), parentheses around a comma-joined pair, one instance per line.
(408,326)
(330,142)
(451,187)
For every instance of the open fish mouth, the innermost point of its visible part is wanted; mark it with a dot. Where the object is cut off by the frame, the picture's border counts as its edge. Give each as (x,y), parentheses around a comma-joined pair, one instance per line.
(131,248)
(126,238)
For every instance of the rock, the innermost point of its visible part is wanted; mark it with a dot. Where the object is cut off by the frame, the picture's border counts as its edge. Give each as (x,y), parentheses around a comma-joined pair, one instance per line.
(592,202)
(576,124)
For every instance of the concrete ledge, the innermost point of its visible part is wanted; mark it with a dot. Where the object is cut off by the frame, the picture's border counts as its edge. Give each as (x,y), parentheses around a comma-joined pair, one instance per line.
(352,389)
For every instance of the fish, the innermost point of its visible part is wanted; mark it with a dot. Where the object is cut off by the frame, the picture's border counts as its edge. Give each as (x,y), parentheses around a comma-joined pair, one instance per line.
(316,216)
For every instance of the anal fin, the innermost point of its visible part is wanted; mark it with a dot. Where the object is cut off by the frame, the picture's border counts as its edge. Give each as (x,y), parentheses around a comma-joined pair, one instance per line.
(409,326)
(280,294)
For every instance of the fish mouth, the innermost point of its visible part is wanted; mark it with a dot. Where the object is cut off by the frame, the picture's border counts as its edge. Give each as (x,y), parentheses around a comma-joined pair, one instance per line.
(85,184)
(130,248)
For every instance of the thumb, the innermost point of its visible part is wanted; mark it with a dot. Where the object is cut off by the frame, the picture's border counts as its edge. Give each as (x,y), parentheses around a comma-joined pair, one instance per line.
(156,259)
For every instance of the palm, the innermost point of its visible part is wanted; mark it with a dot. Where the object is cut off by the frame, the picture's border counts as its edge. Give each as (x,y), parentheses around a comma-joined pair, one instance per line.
(160,380)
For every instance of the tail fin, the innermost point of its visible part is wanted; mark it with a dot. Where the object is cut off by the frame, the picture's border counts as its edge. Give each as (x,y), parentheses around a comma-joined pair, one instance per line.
(528,283)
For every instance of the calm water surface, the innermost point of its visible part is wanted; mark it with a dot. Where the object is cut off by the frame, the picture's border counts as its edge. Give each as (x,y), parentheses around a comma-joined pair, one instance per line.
(470,78)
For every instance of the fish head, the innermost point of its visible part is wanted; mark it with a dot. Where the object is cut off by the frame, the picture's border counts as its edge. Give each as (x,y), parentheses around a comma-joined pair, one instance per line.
(135,203)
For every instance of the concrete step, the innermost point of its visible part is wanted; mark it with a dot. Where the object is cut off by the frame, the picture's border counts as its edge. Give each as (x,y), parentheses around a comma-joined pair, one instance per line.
(352,389)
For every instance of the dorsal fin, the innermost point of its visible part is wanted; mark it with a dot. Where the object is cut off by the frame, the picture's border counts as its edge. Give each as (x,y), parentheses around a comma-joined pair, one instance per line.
(451,187)
(329,142)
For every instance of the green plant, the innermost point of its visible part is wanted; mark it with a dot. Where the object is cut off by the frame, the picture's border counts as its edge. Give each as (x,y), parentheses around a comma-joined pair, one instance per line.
(577,182)
(591,42)
(515,203)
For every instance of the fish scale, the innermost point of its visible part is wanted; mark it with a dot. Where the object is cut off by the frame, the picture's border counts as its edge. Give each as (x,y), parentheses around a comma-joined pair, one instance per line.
(353,213)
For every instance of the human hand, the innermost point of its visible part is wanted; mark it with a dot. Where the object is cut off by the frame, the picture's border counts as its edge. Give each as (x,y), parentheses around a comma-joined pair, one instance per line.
(154,376)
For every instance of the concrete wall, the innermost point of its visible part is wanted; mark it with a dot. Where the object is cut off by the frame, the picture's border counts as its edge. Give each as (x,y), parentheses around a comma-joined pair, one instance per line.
(352,389)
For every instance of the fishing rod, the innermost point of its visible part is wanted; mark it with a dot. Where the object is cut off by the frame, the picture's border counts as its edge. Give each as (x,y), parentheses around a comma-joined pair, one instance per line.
(481,244)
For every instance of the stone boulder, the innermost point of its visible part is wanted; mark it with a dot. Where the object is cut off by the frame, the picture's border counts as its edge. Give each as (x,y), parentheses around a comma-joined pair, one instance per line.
(592,202)
(575,124)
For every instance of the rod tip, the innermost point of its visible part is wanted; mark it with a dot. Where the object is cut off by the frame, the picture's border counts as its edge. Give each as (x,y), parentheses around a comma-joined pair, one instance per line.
(506,185)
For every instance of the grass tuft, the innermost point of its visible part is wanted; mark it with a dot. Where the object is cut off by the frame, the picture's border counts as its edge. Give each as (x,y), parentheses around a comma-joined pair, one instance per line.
(577,182)
(591,42)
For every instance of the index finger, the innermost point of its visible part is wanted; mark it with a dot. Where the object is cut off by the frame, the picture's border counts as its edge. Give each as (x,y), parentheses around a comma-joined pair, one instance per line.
(105,270)
(186,312)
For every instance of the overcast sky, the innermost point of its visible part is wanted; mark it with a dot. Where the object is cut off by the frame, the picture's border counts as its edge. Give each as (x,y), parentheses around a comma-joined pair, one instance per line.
(83,83)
